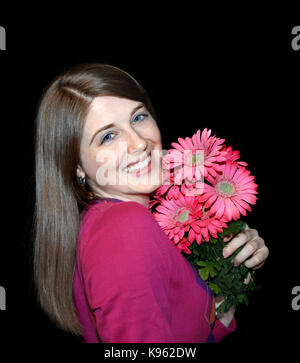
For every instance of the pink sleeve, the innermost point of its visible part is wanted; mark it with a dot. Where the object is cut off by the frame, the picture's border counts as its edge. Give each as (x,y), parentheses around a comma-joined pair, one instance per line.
(220,330)
(126,277)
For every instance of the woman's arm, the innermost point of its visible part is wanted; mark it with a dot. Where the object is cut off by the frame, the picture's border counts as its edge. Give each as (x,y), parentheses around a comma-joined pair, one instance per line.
(126,278)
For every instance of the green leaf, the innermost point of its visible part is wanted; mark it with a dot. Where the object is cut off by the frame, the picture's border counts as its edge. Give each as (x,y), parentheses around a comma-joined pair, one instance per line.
(218,267)
(214,287)
(212,271)
(204,273)
(241,298)
(228,280)
(222,307)
(202,263)
(219,273)
(213,240)
(195,252)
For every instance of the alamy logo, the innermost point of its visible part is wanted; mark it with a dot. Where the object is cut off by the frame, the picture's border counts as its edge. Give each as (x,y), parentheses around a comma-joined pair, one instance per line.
(2,38)
(2,298)
(296,40)
(296,299)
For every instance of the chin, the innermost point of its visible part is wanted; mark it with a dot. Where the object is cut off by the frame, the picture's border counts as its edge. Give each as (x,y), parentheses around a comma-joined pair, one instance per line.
(142,189)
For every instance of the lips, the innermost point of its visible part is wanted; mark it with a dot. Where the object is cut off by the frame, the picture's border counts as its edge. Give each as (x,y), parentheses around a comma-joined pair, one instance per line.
(138,161)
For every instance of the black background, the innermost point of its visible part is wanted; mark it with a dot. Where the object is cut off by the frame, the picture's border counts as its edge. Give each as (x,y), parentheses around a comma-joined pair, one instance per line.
(236,75)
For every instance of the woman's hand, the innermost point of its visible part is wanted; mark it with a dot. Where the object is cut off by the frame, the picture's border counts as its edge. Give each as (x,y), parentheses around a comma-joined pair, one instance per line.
(226,317)
(254,253)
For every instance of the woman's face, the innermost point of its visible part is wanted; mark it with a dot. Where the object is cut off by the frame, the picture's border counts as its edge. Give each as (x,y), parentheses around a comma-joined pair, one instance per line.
(121,149)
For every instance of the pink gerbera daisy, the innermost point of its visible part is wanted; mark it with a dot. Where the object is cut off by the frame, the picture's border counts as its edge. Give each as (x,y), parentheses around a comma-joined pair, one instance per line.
(210,225)
(196,157)
(230,193)
(177,216)
(168,191)
(183,245)
(232,156)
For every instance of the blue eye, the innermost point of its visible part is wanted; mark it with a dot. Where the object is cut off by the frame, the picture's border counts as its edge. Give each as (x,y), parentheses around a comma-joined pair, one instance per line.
(137,118)
(106,138)
(140,117)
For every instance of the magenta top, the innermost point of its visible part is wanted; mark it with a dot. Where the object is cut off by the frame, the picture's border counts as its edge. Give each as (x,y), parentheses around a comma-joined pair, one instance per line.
(132,285)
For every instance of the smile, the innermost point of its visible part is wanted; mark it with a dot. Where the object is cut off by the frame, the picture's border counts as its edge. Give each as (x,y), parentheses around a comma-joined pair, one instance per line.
(138,166)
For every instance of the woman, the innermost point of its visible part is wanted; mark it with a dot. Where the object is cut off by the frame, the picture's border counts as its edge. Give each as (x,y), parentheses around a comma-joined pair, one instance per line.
(104,269)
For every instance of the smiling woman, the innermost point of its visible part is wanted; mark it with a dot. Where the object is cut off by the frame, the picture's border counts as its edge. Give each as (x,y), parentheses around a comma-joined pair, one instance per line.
(65,172)
(103,267)
(120,149)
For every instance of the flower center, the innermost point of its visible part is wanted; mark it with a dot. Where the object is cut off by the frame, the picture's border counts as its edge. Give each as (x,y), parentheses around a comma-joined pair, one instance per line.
(183,216)
(197,158)
(225,188)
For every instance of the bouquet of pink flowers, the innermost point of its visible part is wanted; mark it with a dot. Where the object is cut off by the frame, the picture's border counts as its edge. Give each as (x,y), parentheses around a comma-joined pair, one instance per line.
(205,191)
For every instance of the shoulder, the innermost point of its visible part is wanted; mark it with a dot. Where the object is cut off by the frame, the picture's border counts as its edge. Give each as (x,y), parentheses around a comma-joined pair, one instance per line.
(119,215)
(124,224)
(127,214)
(121,237)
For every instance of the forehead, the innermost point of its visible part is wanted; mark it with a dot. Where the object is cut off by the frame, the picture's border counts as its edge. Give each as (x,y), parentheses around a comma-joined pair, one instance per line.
(106,109)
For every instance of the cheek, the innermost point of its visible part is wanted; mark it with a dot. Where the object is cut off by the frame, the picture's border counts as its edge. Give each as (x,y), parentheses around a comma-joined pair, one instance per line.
(90,165)
(155,136)
(107,160)
(99,161)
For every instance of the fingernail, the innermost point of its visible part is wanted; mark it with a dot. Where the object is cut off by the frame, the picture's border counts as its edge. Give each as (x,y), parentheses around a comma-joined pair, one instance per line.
(225,252)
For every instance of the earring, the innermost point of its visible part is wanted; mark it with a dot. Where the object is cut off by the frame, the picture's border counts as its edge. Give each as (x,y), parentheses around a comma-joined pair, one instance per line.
(82,180)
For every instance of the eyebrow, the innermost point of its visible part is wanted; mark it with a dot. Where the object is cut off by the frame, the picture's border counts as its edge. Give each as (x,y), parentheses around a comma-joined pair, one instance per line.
(112,124)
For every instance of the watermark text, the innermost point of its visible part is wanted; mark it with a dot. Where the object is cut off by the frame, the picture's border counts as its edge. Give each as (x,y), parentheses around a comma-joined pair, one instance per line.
(296,40)
(2,298)
(296,299)
(2,38)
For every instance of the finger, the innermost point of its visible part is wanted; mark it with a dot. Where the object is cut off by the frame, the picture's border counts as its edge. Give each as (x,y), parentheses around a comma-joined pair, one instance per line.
(258,266)
(258,259)
(238,241)
(249,249)
(226,317)
(228,238)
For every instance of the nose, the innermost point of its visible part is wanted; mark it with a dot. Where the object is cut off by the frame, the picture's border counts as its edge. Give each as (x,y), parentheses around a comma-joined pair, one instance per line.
(136,144)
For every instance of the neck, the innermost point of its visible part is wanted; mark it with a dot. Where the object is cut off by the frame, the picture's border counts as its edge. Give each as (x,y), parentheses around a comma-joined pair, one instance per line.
(139,198)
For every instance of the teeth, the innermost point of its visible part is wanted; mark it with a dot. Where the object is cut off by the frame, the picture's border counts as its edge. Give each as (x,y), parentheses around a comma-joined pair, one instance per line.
(138,166)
